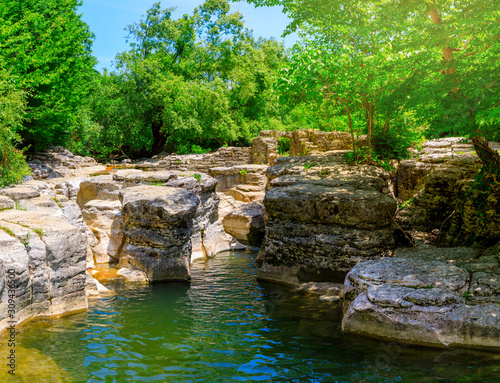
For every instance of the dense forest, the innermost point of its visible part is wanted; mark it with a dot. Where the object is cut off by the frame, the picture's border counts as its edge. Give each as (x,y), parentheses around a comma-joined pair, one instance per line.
(398,71)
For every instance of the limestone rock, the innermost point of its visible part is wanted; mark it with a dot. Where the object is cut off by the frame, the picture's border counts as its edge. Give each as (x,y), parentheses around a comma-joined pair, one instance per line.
(245,183)
(432,296)
(324,217)
(246,223)
(57,162)
(47,257)
(93,287)
(431,317)
(6,203)
(227,204)
(17,193)
(104,218)
(158,223)
(413,273)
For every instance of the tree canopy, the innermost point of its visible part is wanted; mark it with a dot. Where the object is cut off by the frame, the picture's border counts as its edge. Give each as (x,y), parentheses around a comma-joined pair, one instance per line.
(46,47)
(200,80)
(439,58)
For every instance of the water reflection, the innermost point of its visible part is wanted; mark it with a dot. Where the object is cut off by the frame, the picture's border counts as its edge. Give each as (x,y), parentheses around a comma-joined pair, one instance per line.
(226,327)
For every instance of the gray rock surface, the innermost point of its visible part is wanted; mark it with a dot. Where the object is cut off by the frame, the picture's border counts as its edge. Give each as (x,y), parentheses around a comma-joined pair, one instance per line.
(47,257)
(246,223)
(324,217)
(430,296)
(158,224)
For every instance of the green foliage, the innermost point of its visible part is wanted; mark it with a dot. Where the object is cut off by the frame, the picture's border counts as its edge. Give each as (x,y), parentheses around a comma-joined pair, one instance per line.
(156,183)
(40,232)
(187,85)
(47,48)
(243,172)
(436,60)
(190,149)
(309,165)
(13,165)
(18,206)
(368,156)
(197,176)
(8,231)
(284,146)
(26,239)
(405,204)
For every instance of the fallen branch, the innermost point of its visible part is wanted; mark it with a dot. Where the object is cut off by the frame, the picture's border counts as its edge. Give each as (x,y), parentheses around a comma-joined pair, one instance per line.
(404,232)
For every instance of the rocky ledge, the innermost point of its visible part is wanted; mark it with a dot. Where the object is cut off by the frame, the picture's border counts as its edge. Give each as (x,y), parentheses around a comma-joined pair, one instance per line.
(427,296)
(323,217)
(42,267)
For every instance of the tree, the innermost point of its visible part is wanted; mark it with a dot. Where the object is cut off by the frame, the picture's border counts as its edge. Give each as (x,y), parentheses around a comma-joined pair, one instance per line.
(47,47)
(450,46)
(197,80)
(13,166)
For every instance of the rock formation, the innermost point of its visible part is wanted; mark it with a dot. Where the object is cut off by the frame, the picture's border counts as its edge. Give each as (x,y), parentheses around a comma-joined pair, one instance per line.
(427,296)
(42,266)
(246,223)
(324,217)
(158,224)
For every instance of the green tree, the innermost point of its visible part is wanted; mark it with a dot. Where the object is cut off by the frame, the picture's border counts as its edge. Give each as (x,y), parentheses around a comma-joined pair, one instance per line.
(199,80)
(13,166)
(47,47)
(449,47)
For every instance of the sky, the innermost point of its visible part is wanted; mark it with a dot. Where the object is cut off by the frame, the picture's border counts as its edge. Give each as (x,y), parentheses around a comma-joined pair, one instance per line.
(108,18)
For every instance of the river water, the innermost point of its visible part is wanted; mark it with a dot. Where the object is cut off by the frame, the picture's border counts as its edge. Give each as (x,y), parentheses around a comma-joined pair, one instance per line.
(226,327)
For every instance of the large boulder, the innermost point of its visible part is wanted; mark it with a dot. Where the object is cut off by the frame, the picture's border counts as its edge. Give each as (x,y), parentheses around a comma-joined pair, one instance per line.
(324,217)
(246,223)
(208,237)
(427,296)
(44,258)
(158,224)
(443,193)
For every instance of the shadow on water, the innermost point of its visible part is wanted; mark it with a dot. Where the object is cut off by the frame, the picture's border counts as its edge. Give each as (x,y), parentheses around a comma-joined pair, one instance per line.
(226,327)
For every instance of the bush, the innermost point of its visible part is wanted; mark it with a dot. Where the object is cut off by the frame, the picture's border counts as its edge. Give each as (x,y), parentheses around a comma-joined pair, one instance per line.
(284,146)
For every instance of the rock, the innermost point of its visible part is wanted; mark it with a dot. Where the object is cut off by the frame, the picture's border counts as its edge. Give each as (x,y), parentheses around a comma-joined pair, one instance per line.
(227,204)
(133,276)
(47,256)
(413,273)
(57,162)
(17,193)
(158,224)
(104,218)
(324,217)
(246,223)
(430,317)
(6,203)
(99,187)
(245,183)
(322,289)
(93,287)
(433,297)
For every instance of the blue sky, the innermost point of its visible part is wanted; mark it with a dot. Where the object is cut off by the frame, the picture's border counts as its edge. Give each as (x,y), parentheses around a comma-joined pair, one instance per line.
(108,18)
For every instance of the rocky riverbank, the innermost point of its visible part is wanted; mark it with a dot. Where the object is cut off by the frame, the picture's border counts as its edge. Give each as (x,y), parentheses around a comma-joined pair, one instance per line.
(321,221)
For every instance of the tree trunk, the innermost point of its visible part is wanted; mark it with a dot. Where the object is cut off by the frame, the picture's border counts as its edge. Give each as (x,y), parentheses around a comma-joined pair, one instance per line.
(489,157)
(159,138)
(354,148)
(370,123)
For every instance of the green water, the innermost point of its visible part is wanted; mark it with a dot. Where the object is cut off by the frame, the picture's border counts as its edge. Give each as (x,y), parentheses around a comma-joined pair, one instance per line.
(226,327)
